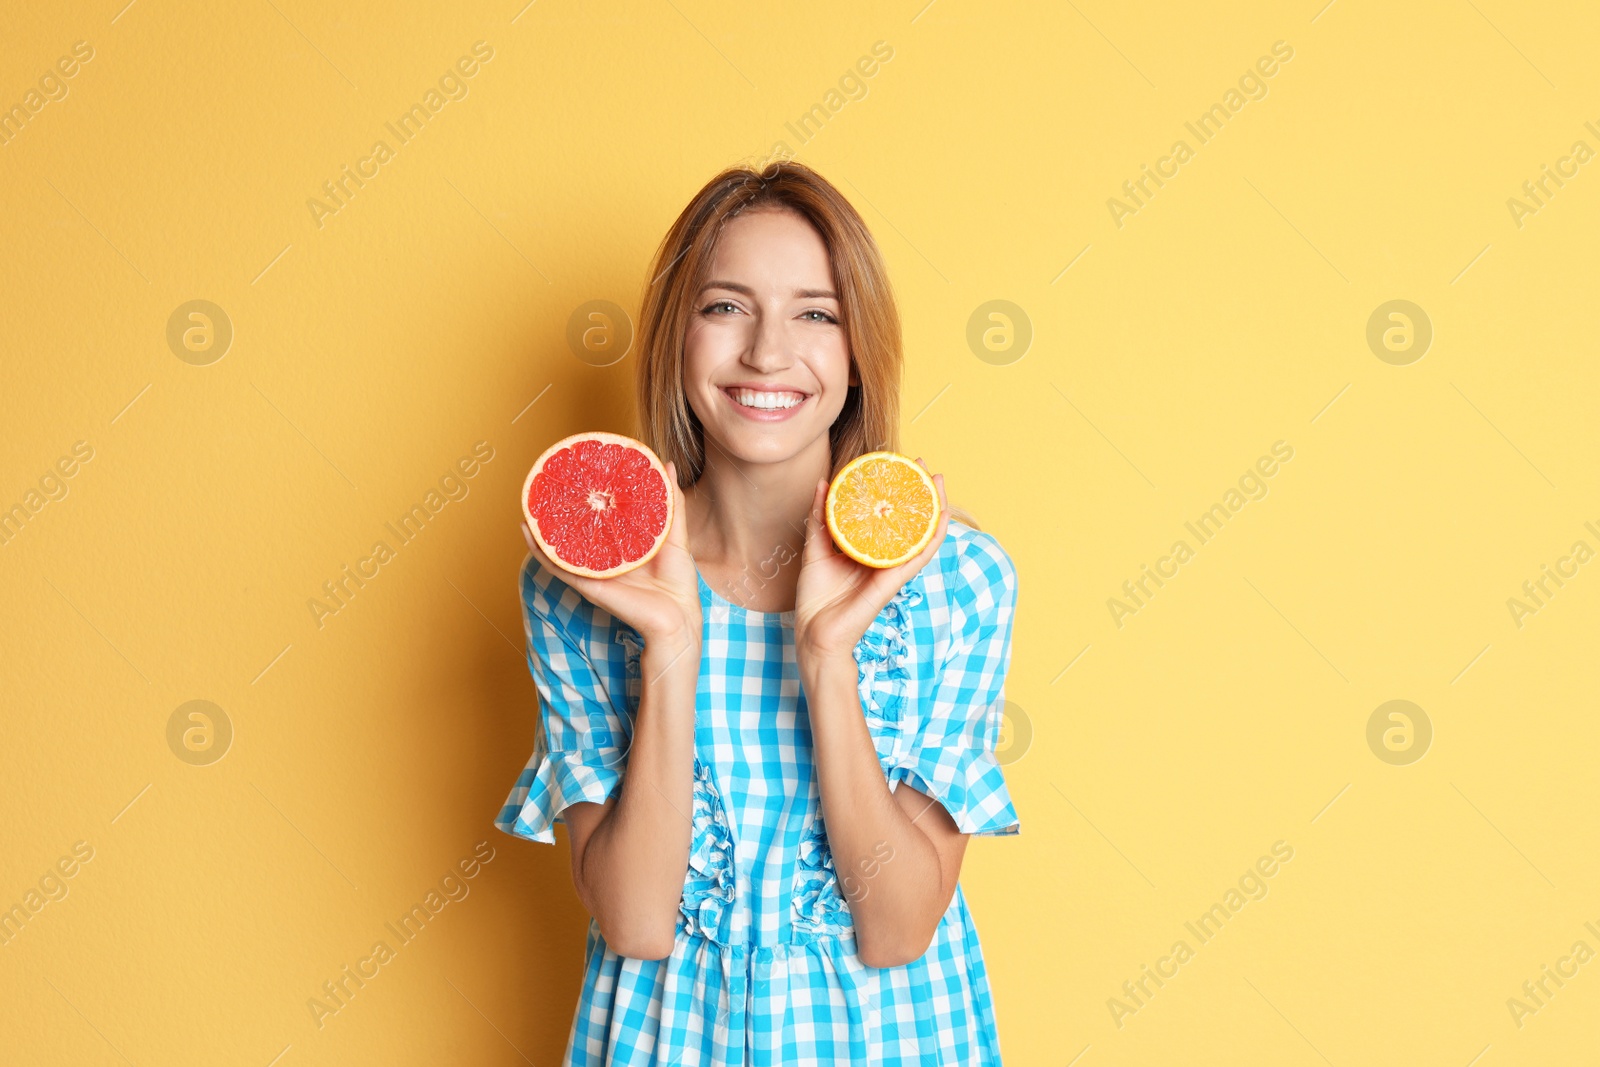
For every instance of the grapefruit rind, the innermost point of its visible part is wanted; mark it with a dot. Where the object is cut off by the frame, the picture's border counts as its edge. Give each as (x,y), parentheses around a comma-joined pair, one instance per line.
(602,437)
(844,543)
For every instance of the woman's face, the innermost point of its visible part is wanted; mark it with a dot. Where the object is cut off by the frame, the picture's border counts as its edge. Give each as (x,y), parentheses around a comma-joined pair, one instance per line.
(766,360)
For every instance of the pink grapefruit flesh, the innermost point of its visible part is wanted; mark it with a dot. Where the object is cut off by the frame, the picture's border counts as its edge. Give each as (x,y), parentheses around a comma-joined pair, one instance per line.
(598,504)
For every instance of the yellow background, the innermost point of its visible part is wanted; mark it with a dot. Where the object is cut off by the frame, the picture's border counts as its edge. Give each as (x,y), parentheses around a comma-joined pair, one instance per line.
(370,755)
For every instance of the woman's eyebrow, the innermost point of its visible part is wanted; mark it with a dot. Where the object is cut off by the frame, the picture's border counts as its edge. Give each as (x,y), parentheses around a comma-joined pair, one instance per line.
(802,294)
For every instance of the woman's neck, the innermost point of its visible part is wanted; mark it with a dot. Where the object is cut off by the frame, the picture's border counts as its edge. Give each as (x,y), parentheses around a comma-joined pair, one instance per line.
(747,523)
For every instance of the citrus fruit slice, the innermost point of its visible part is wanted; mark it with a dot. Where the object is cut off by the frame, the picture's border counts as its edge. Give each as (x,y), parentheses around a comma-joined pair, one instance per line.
(882,509)
(598,503)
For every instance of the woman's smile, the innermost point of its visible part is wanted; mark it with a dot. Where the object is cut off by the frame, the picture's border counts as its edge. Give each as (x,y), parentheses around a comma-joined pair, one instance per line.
(764,402)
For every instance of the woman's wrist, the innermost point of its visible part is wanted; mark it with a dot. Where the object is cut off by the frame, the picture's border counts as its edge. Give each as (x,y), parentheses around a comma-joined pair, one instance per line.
(672,629)
(665,649)
(814,643)
(820,664)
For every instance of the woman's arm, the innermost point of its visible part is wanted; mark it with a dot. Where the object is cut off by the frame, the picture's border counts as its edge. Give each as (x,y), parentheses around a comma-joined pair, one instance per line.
(630,854)
(898,854)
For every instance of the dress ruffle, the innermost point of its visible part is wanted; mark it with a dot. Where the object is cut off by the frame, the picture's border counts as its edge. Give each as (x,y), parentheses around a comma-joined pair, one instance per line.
(632,653)
(543,792)
(708,886)
(886,671)
(818,906)
(884,649)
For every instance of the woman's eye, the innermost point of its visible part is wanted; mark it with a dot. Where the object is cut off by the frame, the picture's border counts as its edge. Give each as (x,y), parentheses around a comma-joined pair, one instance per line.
(715,308)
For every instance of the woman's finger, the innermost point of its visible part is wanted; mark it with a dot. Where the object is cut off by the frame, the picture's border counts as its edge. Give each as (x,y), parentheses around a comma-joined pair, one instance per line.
(817,539)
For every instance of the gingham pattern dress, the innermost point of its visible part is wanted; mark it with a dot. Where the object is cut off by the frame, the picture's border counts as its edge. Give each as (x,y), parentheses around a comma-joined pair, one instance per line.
(763,968)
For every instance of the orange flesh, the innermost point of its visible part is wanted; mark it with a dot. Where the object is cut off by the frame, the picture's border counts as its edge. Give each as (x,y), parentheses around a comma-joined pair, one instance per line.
(882,511)
(598,504)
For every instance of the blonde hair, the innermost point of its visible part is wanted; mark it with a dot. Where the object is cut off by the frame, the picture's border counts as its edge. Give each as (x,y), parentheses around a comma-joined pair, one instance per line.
(870,419)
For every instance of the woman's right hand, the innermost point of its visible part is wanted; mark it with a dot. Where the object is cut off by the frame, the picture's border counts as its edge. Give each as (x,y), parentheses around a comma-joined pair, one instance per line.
(660,598)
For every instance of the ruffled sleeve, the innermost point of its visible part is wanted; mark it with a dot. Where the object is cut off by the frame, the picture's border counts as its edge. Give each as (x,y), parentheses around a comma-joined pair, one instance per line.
(579,666)
(950,755)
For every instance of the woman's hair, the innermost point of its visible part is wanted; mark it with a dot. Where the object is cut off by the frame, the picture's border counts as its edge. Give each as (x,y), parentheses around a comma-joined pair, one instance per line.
(870,419)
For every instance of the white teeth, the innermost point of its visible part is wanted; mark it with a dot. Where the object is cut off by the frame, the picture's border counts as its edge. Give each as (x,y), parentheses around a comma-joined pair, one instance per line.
(765,401)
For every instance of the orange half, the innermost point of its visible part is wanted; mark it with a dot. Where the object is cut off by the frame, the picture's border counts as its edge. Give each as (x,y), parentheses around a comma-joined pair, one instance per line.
(882,509)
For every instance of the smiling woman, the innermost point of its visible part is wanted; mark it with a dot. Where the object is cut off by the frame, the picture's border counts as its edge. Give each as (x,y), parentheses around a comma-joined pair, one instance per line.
(719,762)
(695,312)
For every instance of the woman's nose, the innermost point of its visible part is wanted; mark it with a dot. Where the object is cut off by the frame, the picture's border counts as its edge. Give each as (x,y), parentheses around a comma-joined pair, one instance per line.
(769,349)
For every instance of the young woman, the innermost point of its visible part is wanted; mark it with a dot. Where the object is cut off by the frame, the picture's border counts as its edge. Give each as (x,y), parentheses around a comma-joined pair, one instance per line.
(769,757)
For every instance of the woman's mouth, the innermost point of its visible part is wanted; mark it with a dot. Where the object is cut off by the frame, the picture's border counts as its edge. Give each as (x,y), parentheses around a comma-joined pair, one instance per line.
(766,405)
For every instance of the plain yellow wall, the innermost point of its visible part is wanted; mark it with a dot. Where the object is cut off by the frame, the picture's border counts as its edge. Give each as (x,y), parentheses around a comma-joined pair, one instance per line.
(374,346)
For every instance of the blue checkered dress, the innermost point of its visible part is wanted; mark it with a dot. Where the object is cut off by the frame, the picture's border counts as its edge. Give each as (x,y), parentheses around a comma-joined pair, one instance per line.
(764,967)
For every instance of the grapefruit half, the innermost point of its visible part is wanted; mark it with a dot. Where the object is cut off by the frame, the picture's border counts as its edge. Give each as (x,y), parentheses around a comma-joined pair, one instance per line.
(598,504)
(882,509)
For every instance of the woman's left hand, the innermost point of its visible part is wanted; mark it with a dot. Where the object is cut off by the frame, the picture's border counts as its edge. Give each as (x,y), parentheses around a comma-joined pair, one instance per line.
(837,598)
